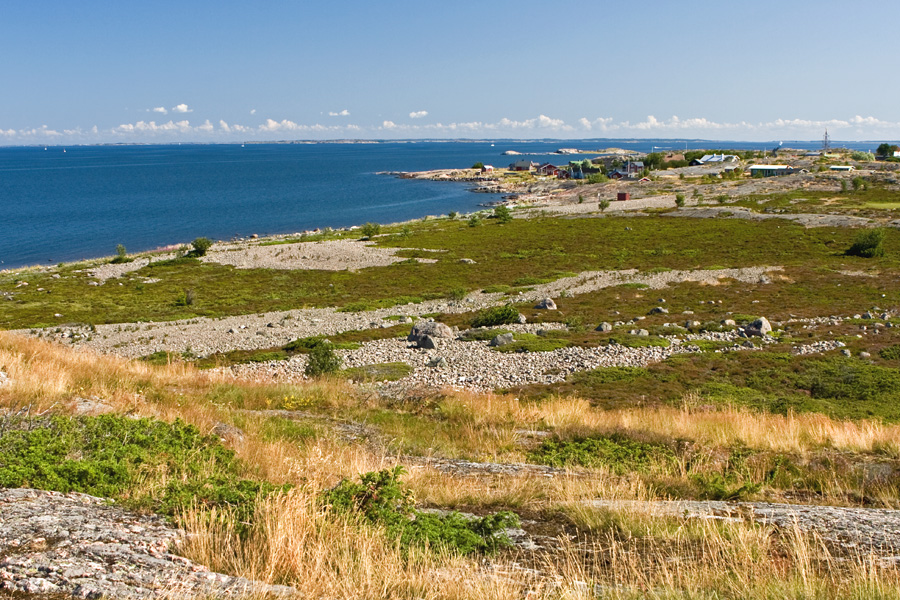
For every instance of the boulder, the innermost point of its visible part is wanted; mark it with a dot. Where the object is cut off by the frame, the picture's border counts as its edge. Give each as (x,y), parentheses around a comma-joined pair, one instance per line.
(692,324)
(659,310)
(430,330)
(643,333)
(728,323)
(426,342)
(467,261)
(546,304)
(759,327)
(438,362)
(604,326)
(522,320)
(501,340)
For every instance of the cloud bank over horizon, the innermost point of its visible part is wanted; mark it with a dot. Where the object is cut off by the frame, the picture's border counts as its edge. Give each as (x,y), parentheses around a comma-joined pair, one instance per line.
(855,128)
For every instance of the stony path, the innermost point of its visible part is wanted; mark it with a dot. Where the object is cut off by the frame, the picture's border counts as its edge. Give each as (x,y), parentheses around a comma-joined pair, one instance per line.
(80,546)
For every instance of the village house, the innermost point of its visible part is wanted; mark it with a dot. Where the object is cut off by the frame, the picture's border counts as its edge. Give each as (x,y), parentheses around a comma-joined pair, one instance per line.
(523,165)
(548,170)
(770,170)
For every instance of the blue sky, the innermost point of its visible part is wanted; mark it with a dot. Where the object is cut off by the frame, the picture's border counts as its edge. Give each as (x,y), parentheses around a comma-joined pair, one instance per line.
(217,71)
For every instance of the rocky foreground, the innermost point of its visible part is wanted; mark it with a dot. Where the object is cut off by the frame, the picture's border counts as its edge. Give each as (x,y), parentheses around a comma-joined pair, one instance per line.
(81,546)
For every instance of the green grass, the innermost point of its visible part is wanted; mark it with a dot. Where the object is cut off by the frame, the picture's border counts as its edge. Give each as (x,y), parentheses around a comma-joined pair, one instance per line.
(113,457)
(378,372)
(523,250)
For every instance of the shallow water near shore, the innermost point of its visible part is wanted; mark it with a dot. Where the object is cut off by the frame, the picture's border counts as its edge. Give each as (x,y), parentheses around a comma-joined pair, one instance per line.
(64,204)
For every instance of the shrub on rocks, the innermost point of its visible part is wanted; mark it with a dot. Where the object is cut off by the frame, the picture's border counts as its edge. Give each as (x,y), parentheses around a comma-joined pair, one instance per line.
(322,361)
(201,245)
(498,315)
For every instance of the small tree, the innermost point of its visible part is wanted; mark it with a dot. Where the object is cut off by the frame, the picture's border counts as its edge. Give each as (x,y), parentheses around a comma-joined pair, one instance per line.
(201,245)
(474,220)
(859,183)
(121,255)
(868,244)
(322,360)
(478,165)
(604,204)
(371,229)
(503,214)
(679,200)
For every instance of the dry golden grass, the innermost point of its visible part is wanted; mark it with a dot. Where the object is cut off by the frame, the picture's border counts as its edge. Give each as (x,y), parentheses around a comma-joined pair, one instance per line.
(726,427)
(295,542)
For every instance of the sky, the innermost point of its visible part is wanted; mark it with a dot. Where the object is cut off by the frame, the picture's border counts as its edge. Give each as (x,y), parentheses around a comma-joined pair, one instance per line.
(98,71)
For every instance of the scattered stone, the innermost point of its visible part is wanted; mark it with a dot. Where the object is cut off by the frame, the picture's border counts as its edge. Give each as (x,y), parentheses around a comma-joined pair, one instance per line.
(501,340)
(692,324)
(846,352)
(758,328)
(546,304)
(604,326)
(228,433)
(90,406)
(438,362)
(729,323)
(748,344)
(467,261)
(426,342)
(865,355)
(428,330)
(659,310)
(522,320)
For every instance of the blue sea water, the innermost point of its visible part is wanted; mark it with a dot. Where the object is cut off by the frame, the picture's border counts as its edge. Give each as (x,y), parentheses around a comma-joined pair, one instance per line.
(62,204)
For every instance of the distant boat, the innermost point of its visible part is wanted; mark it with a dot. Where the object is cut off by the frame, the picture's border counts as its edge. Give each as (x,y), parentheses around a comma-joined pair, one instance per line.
(64,150)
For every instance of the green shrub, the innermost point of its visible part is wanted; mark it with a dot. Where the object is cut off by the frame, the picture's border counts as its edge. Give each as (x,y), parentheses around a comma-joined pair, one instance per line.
(597,178)
(113,456)
(200,245)
(617,452)
(603,205)
(502,214)
(380,499)
(371,229)
(679,200)
(322,361)
(186,298)
(868,244)
(121,255)
(498,315)
(890,353)
(474,220)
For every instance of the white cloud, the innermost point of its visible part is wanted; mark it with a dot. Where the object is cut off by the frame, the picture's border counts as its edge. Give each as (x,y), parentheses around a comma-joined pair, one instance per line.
(252,111)
(207,127)
(343,113)
(388,125)
(159,109)
(181,108)
(418,114)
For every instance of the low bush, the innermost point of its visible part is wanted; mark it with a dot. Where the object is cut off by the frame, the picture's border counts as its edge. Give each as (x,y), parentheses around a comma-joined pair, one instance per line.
(371,229)
(616,452)
(380,498)
(118,457)
(868,244)
(498,315)
(200,246)
(503,214)
(322,361)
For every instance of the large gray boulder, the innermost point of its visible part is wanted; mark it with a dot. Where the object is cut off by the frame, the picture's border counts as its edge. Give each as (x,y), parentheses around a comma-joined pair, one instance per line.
(604,326)
(546,304)
(759,327)
(428,329)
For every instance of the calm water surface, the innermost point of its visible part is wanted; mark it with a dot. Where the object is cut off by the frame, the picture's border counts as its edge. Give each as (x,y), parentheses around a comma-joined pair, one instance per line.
(62,204)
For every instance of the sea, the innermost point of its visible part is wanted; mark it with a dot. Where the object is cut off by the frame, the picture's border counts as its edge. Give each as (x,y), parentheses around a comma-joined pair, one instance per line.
(62,204)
